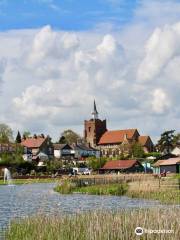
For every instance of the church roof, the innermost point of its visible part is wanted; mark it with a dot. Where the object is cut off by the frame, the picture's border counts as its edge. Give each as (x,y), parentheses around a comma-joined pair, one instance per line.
(116,136)
(143,140)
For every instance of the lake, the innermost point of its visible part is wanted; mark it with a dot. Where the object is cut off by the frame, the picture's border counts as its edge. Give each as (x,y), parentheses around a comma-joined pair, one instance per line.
(24,200)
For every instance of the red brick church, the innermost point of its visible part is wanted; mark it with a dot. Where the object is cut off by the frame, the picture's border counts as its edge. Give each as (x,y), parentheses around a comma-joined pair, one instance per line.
(112,143)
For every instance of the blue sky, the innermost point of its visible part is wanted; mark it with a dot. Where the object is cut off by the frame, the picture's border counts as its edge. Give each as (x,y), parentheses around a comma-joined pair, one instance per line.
(64,15)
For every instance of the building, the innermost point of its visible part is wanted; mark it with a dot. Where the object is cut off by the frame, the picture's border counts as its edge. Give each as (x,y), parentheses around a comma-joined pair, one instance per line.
(112,143)
(37,147)
(146,143)
(171,165)
(83,151)
(63,151)
(117,166)
(94,128)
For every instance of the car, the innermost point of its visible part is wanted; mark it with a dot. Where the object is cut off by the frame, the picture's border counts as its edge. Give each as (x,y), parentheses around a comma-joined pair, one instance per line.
(81,171)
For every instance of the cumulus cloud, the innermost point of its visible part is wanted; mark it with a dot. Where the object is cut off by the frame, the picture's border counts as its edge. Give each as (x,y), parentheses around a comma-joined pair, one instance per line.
(162,47)
(52,77)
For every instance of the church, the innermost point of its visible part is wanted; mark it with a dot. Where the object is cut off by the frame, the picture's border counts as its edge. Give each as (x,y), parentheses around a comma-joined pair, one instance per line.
(112,143)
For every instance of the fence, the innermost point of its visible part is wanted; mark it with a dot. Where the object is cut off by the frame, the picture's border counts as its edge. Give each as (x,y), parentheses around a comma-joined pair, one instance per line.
(148,181)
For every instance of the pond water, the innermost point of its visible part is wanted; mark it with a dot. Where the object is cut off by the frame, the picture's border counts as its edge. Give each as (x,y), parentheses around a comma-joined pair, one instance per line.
(23,200)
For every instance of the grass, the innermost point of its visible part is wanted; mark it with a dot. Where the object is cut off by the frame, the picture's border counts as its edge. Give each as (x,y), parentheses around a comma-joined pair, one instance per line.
(148,190)
(164,196)
(105,189)
(28,181)
(98,226)
(67,187)
(144,189)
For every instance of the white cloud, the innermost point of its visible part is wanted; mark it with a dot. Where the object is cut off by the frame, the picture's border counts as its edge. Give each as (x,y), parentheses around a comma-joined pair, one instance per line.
(50,78)
(160,101)
(163,45)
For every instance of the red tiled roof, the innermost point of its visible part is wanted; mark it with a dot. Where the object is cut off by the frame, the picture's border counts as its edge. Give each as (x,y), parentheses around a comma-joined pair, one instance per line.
(33,142)
(116,136)
(119,164)
(143,140)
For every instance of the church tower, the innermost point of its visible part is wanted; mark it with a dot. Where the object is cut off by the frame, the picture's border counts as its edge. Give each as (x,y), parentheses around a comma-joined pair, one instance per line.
(94,128)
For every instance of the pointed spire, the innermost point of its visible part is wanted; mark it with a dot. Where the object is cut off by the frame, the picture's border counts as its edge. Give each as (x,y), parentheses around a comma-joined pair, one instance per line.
(95,112)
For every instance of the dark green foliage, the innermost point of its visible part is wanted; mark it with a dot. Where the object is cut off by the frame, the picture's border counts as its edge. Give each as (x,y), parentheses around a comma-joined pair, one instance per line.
(53,165)
(15,161)
(96,163)
(137,150)
(165,143)
(63,140)
(18,137)
(69,136)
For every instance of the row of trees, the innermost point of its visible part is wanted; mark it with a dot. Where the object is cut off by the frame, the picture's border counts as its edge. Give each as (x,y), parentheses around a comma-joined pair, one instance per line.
(6,135)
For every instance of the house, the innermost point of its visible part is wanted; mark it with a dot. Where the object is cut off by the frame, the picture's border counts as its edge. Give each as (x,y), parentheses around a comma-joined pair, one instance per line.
(63,150)
(122,166)
(171,165)
(37,148)
(112,143)
(84,151)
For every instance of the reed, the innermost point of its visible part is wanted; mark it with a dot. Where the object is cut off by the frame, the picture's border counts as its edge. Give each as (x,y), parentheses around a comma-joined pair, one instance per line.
(67,187)
(98,225)
(148,190)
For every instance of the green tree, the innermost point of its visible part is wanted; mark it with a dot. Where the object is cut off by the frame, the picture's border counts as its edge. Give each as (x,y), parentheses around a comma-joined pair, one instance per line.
(62,140)
(69,136)
(166,142)
(137,150)
(26,134)
(176,140)
(6,133)
(18,137)
(96,163)
(53,166)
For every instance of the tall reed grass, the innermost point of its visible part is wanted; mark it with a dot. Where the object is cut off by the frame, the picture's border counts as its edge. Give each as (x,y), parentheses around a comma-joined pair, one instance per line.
(98,226)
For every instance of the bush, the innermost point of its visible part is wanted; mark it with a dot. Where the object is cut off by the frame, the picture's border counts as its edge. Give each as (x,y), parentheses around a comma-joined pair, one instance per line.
(96,163)
(65,187)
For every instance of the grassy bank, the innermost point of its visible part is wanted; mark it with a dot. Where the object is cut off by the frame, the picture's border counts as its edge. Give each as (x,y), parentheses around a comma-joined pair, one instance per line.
(98,225)
(133,189)
(117,189)
(28,181)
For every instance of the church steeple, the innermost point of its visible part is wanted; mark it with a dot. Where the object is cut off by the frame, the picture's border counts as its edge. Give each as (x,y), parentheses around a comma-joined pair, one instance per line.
(95,112)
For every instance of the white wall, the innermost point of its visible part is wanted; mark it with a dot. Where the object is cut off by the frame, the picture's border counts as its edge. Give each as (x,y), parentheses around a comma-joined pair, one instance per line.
(57,153)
